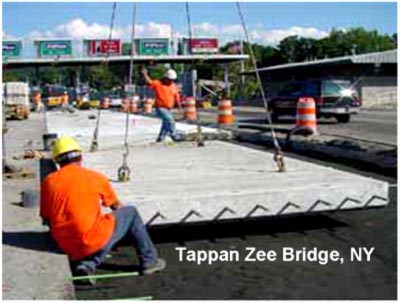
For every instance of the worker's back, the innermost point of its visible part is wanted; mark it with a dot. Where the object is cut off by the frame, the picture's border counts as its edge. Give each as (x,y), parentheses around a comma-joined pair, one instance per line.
(70,200)
(166,95)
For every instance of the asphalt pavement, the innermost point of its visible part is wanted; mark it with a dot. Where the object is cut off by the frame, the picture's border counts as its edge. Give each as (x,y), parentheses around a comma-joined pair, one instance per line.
(372,125)
(342,231)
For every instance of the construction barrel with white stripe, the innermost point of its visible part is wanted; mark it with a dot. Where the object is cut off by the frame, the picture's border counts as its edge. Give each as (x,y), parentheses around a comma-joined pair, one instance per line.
(106,103)
(306,114)
(225,112)
(148,106)
(125,104)
(133,104)
(190,109)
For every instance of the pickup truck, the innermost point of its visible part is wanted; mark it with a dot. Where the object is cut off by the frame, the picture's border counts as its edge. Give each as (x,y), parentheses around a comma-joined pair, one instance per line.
(333,97)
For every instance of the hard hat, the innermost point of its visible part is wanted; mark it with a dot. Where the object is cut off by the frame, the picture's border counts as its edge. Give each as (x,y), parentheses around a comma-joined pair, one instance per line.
(64,145)
(171,74)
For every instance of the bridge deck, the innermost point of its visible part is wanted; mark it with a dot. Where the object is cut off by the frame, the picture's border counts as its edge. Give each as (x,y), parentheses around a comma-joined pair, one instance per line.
(184,183)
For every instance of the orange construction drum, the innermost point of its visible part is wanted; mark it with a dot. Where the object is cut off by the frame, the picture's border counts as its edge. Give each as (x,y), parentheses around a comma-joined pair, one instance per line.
(306,114)
(190,109)
(133,104)
(148,106)
(124,104)
(106,103)
(225,112)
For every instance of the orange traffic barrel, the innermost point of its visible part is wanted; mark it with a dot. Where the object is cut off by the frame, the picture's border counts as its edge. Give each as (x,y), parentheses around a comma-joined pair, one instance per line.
(148,106)
(106,103)
(225,112)
(37,99)
(190,109)
(124,104)
(64,99)
(133,104)
(306,114)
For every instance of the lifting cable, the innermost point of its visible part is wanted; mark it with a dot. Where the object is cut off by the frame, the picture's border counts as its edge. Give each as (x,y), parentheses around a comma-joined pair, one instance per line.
(199,135)
(95,142)
(278,155)
(124,171)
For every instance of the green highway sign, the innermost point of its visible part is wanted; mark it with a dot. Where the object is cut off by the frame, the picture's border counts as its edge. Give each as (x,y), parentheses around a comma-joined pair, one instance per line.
(54,48)
(12,49)
(152,47)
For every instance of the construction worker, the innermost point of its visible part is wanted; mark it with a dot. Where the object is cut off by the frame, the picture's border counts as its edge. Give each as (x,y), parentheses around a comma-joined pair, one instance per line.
(70,205)
(167,93)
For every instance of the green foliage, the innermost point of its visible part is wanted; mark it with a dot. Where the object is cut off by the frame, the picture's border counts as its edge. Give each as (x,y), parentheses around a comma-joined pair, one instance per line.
(338,43)
(9,76)
(49,75)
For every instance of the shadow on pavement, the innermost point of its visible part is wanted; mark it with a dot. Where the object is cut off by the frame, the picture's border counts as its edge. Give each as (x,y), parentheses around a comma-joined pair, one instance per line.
(241,228)
(34,240)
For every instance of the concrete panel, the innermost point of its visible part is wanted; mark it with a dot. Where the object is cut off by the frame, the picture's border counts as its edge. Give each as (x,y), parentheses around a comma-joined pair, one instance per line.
(142,130)
(183,183)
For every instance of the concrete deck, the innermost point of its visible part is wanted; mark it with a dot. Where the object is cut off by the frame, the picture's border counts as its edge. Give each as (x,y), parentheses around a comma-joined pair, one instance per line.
(142,129)
(183,183)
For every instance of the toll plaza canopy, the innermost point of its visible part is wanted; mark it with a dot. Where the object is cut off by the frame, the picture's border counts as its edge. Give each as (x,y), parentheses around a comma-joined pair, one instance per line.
(188,59)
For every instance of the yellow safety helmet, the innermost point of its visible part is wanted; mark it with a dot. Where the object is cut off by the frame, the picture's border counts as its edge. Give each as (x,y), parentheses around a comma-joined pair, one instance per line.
(64,145)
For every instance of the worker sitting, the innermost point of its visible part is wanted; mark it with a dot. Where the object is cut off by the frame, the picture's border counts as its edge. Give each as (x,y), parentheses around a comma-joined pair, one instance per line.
(70,204)
(167,93)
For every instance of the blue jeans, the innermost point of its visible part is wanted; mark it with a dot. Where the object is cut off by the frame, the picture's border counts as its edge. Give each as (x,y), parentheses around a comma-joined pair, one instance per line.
(128,222)
(167,125)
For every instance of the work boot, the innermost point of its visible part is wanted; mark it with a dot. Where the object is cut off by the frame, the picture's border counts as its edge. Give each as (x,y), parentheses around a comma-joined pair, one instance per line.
(158,265)
(83,271)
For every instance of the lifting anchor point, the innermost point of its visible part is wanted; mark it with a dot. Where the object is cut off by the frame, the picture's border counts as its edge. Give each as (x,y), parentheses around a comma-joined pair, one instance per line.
(278,158)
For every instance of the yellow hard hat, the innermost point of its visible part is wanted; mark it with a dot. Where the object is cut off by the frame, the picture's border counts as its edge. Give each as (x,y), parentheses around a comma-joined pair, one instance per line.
(64,145)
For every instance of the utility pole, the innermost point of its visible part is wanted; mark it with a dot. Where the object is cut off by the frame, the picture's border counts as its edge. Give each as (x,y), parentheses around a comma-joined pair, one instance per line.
(242,77)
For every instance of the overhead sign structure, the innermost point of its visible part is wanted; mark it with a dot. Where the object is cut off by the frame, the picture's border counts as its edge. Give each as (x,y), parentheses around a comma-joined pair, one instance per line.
(54,48)
(12,49)
(205,45)
(103,47)
(198,46)
(152,46)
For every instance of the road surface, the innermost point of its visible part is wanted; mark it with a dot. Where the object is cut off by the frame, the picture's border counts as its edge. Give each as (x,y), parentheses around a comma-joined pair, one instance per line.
(371,125)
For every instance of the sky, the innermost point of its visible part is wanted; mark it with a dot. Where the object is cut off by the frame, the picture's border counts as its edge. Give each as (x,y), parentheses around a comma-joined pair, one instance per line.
(267,22)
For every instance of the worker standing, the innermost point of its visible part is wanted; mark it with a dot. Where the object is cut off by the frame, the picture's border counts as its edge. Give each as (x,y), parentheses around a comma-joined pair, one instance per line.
(167,93)
(70,205)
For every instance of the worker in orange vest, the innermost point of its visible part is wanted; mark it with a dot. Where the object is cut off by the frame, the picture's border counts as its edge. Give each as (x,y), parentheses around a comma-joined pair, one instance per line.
(69,204)
(167,93)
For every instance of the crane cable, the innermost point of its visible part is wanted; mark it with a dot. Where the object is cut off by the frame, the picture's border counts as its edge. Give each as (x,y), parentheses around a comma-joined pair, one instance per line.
(278,155)
(199,135)
(124,171)
(95,142)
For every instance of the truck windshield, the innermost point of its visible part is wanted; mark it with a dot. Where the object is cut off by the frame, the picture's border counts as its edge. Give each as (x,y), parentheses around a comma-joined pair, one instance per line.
(335,87)
(53,91)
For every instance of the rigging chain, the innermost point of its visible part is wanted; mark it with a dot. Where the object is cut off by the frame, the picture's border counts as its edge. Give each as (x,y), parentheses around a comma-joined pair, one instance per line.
(124,171)
(95,142)
(278,154)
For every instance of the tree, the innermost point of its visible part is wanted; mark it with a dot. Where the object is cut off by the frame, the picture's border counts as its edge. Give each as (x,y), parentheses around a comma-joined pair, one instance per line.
(9,76)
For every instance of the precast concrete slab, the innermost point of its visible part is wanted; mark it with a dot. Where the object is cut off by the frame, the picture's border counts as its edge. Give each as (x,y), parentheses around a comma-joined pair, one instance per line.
(142,129)
(184,183)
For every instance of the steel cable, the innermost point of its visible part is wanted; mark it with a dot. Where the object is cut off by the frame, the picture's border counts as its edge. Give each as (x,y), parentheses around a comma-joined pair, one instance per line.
(124,171)
(278,155)
(95,142)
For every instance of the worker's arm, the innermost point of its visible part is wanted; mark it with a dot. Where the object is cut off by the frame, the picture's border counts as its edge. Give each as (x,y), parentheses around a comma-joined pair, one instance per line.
(107,193)
(146,76)
(116,205)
